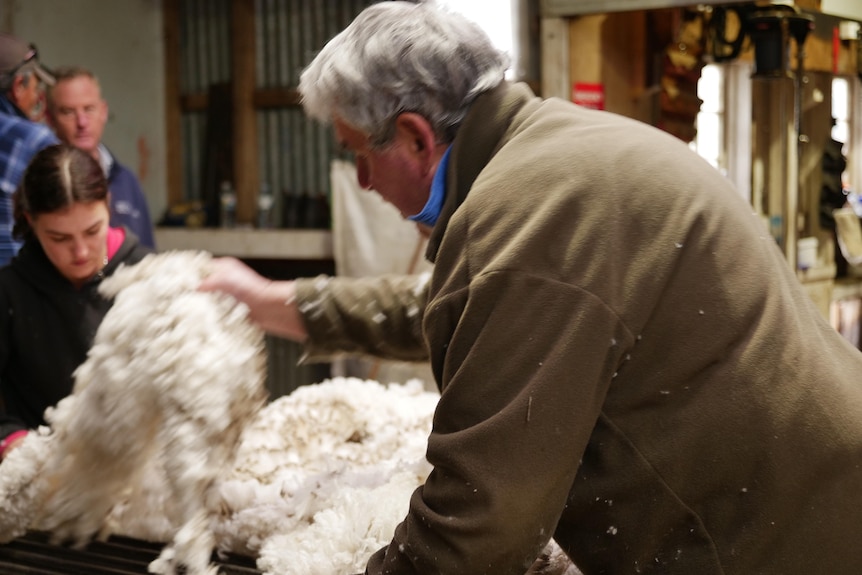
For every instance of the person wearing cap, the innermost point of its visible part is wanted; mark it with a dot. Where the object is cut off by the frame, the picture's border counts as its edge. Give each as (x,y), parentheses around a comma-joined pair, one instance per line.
(21,96)
(78,114)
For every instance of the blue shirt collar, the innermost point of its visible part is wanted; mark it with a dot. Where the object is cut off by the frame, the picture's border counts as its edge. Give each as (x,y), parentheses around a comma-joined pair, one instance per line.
(105,159)
(434,206)
(7,107)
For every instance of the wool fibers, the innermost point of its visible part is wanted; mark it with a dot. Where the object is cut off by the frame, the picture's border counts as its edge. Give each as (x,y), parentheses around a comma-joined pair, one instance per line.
(172,378)
(166,438)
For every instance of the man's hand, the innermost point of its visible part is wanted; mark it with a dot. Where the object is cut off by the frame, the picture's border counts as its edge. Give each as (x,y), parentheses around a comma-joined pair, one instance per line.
(231,276)
(271,304)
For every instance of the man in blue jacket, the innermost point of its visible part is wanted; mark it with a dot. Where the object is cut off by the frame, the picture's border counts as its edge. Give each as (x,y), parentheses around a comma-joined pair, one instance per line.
(22,81)
(78,113)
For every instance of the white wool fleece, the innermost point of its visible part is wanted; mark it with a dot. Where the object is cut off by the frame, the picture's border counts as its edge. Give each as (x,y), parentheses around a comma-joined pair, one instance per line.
(320,477)
(19,490)
(172,378)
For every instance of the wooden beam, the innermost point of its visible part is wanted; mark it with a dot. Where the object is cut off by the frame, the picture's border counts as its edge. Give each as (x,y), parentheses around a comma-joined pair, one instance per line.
(276,98)
(568,8)
(585,56)
(273,98)
(556,79)
(623,60)
(173,115)
(194,102)
(245,169)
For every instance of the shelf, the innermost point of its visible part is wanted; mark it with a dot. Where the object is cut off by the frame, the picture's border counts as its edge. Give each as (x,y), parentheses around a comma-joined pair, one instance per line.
(817,274)
(298,244)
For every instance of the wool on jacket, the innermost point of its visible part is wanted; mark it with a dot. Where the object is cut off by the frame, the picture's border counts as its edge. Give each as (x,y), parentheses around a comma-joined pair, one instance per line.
(627,364)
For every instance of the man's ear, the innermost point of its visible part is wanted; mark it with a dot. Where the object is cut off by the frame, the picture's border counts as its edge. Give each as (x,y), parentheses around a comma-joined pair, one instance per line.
(416,133)
(17,88)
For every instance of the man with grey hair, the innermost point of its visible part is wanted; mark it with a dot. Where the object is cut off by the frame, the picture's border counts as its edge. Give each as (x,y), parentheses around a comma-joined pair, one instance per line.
(626,362)
(21,102)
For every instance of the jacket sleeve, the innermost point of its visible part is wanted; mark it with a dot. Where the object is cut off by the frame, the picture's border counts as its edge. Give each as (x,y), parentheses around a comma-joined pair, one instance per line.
(523,382)
(8,424)
(377,316)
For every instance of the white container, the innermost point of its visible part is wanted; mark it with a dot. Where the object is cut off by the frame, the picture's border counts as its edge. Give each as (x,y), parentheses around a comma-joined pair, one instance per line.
(806,253)
(227,201)
(265,203)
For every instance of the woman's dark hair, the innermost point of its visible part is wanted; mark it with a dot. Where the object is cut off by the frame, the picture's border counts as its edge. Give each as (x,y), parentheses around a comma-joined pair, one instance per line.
(57,177)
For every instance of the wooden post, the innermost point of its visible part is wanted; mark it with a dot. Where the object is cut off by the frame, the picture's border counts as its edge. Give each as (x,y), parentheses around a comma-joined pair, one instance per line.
(555,58)
(244,122)
(585,64)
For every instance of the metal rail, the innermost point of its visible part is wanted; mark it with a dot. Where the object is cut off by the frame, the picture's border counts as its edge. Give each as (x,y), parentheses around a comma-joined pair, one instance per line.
(33,554)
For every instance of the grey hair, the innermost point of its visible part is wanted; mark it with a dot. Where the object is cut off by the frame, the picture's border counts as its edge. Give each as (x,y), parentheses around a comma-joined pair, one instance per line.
(400,57)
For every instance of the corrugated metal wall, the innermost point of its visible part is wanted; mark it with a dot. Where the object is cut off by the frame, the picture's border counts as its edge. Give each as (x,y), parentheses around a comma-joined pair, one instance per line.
(205,42)
(283,372)
(204,61)
(294,152)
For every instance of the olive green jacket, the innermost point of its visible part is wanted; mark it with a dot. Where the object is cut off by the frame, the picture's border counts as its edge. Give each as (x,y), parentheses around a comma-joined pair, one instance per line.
(627,363)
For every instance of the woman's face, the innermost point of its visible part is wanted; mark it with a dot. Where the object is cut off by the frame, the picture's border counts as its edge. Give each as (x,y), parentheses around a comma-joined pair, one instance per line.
(74,239)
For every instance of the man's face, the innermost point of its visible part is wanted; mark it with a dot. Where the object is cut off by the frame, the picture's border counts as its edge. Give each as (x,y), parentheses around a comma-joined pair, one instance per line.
(29,95)
(394,171)
(78,113)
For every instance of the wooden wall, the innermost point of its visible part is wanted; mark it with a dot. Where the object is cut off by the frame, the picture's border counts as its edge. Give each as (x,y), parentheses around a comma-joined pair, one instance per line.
(625,52)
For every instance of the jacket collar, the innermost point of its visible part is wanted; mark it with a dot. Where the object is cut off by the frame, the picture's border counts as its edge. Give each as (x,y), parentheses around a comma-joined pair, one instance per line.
(106,160)
(10,109)
(478,139)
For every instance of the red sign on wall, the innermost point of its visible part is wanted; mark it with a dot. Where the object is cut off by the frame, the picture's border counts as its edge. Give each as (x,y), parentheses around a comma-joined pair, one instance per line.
(589,95)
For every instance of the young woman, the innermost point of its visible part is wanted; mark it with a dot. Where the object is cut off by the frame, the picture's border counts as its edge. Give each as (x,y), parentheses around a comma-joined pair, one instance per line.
(49,304)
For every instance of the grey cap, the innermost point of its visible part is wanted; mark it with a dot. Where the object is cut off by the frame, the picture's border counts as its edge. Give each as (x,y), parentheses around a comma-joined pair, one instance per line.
(18,56)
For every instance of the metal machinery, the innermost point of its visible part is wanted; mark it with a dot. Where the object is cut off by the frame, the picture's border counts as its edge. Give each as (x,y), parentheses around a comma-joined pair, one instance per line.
(777,32)
(777,92)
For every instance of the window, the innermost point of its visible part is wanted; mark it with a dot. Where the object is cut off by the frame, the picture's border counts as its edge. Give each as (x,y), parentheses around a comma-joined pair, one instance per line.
(846,109)
(497,23)
(710,134)
(841,113)
(841,110)
(724,121)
